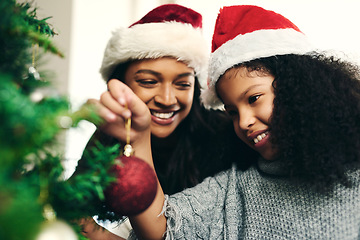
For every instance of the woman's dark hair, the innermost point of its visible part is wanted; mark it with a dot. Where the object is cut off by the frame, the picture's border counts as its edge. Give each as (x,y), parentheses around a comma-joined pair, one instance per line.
(316,117)
(205,144)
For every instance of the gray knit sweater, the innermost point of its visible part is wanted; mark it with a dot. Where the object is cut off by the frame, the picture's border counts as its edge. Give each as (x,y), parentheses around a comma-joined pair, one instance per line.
(254,205)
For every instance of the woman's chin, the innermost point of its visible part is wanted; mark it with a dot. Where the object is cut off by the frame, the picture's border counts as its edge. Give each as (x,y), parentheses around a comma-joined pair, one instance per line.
(162,131)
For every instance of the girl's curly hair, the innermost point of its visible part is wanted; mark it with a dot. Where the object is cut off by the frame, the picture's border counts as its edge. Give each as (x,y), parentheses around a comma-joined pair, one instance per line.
(315,123)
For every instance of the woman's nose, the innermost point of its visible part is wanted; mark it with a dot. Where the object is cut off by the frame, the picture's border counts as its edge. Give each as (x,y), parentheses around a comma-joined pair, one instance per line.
(166,96)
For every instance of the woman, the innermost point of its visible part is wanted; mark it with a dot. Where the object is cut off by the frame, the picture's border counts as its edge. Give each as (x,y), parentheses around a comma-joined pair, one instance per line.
(163,59)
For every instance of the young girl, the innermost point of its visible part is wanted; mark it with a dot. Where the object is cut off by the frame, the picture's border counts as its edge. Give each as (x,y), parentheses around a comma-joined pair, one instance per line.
(163,58)
(300,110)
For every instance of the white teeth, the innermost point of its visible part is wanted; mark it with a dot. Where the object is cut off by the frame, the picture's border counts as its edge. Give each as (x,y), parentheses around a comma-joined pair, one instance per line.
(260,137)
(163,115)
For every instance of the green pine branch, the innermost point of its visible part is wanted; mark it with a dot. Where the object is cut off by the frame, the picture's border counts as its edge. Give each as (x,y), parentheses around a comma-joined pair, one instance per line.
(31,119)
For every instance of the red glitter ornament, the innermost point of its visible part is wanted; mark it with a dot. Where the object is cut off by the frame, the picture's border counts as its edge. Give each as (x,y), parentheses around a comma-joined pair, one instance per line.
(134,189)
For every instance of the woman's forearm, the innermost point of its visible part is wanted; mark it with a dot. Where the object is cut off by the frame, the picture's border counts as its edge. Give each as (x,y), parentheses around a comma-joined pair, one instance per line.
(149,224)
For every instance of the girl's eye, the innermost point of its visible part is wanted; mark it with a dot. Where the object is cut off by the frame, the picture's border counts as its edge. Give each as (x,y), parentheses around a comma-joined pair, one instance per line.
(253,99)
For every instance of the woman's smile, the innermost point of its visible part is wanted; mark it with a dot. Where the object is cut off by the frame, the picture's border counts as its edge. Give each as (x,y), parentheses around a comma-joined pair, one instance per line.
(166,86)
(163,118)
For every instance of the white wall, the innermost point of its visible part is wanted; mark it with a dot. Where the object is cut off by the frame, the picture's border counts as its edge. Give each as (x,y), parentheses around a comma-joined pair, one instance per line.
(60,13)
(84,27)
(331,24)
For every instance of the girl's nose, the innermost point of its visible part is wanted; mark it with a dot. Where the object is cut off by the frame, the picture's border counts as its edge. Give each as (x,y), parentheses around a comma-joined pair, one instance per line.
(246,118)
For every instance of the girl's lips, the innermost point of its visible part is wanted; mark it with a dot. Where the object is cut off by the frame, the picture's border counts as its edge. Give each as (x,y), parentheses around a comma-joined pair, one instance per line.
(259,138)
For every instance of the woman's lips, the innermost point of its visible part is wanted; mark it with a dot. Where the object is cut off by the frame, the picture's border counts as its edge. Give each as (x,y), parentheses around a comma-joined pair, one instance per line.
(163,118)
(162,115)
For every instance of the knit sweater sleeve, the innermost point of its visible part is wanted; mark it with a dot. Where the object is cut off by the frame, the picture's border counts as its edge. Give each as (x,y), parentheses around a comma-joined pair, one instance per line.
(202,211)
(210,210)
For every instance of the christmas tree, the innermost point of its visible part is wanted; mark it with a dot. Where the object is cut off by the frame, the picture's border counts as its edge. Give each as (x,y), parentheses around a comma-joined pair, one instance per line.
(34,197)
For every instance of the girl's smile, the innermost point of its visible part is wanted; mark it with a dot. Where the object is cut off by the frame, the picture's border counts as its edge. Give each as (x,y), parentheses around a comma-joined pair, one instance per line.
(260,139)
(248,98)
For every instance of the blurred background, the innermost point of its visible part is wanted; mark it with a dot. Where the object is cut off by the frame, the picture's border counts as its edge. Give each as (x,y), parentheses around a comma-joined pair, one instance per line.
(84,27)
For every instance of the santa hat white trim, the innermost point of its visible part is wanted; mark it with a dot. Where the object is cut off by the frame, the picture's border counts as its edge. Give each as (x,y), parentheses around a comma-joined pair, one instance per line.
(154,40)
(247,47)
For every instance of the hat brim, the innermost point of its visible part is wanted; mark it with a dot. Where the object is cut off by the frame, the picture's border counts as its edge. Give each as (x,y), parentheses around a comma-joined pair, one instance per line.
(154,40)
(250,46)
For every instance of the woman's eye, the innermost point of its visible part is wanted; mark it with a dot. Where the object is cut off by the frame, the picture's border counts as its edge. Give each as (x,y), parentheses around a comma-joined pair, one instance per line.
(253,99)
(147,82)
(183,85)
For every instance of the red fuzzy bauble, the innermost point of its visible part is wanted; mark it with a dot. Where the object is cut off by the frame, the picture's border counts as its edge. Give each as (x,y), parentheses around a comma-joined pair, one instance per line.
(134,189)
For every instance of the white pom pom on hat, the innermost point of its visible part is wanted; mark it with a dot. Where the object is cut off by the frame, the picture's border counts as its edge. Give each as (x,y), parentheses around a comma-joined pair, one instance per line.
(169,30)
(244,33)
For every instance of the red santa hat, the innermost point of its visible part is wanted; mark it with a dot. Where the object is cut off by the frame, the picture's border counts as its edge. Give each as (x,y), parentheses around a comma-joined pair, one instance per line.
(244,33)
(169,30)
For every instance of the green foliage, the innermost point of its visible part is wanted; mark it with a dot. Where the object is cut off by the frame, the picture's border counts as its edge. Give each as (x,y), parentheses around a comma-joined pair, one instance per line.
(20,213)
(31,118)
(83,194)
(23,121)
(19,31)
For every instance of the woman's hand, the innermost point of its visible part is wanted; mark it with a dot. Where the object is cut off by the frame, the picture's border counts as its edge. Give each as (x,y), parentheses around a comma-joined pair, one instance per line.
(117,105)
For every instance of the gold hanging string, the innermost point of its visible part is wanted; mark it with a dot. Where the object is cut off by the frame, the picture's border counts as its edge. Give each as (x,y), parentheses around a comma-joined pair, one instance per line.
(48,212)
(128,150)
(32,68)
(128,129)
(35,48)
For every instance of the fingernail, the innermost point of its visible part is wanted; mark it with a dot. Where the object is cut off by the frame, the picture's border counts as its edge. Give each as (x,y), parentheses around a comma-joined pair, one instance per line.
(126,114)
(122,101)
(110,117)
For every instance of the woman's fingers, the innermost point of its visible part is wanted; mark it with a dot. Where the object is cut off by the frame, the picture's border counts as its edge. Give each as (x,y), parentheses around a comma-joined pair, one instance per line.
(107,100)
(120,91)
(101,110)
(122,94)
(118,104)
